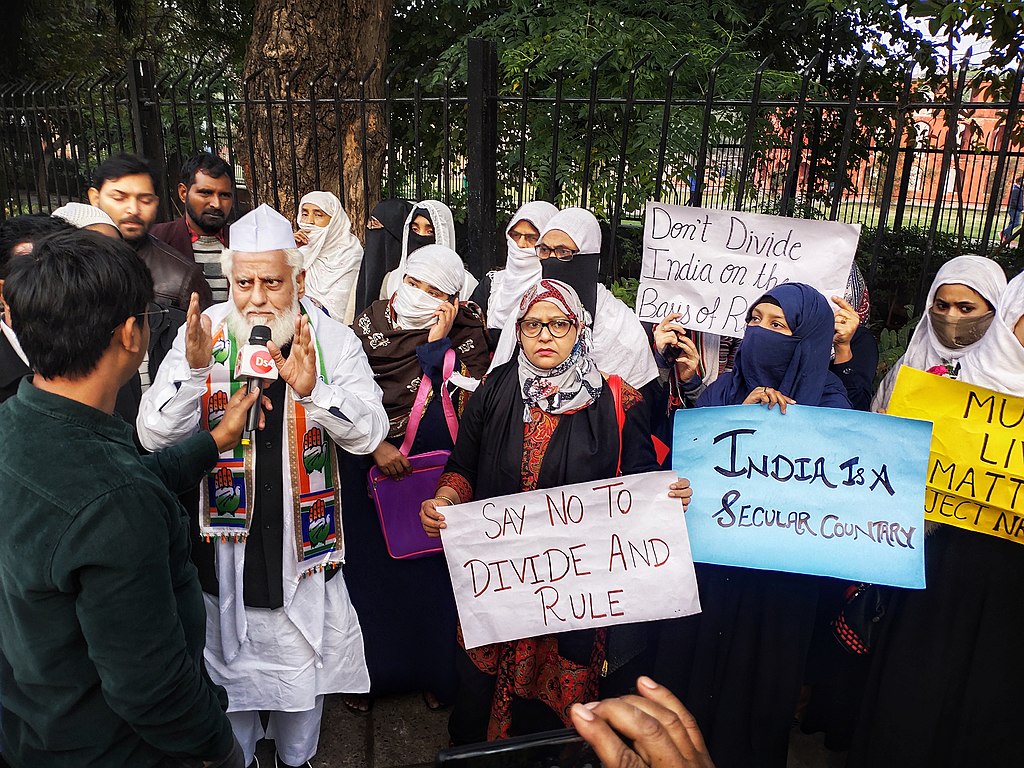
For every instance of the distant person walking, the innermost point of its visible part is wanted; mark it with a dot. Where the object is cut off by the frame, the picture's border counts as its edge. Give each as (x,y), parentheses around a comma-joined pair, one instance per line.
(1014,206)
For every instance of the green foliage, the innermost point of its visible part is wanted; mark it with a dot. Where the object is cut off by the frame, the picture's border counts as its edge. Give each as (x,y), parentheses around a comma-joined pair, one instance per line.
(898,272)
(625,290)
(58,39)
(893,343)
(998,21)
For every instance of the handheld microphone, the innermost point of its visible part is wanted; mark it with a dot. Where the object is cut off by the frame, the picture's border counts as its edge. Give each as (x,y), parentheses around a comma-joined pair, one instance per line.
(258,367)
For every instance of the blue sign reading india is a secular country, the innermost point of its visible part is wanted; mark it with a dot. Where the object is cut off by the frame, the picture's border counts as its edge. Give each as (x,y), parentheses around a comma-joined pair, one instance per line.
(815,490)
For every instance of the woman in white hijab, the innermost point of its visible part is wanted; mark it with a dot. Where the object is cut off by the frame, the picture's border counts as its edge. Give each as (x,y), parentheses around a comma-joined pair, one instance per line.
(620,344)
(429,222)
(961,303)
(522,267)
(406,608)
(331,253)
(940,669)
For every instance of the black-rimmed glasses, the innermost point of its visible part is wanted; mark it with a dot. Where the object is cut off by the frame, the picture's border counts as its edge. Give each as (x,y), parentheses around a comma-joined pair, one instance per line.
(560,252)
(557,328)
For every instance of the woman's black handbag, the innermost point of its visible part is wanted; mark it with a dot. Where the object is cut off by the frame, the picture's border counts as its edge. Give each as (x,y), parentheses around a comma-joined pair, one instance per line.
(857,625)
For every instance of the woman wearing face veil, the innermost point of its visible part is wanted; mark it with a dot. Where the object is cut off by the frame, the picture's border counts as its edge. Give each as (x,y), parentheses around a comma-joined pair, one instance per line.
(406,608)
(429,222)
(739,664)
(569,249)
(960,304)
(331,254)
(383,249)
(946,687)
(545,419)
(522,267)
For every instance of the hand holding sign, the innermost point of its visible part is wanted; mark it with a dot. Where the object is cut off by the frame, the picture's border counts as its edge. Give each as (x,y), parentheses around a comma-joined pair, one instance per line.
(709,266)
(768,396)
(433,522)
(680,489)
(782,493)
(430,517)
(579,556)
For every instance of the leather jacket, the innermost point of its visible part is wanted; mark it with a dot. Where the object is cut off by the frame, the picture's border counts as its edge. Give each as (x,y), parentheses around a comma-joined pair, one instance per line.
(175,276)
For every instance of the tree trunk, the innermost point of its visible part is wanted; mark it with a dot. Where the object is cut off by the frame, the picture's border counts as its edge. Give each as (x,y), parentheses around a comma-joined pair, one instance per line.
(283,146)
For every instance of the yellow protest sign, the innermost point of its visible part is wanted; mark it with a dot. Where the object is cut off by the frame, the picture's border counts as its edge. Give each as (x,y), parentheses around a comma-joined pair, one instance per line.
(976,464)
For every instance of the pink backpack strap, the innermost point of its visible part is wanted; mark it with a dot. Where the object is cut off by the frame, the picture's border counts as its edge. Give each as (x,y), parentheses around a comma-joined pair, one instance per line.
(421,398)
(615,385)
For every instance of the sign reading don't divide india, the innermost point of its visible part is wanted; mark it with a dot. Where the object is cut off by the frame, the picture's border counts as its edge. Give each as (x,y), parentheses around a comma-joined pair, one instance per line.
(711,265)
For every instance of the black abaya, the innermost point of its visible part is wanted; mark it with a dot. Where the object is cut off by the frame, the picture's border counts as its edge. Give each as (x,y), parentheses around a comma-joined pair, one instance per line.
(946,686)
(406,608)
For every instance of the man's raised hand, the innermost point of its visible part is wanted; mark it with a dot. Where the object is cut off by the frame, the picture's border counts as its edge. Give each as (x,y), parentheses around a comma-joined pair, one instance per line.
(198,336)
(299,370)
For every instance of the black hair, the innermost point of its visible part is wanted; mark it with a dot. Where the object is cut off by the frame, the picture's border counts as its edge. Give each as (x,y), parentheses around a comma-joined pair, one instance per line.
(29,228)
(119,166)
(70,295)
(208,163)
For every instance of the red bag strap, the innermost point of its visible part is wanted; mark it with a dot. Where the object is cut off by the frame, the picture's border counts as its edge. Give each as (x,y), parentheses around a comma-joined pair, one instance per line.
(418,406)
(615,385)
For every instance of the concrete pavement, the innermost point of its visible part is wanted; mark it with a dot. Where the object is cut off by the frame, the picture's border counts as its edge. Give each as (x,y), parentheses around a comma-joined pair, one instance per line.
(400,732)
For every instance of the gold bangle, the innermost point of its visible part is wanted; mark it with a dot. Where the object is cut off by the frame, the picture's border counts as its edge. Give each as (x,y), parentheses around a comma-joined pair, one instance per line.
(442,496)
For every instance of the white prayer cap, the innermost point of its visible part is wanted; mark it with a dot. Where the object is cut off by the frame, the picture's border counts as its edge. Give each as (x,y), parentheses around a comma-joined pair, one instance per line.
(81,215)
(262,230)
(578,223)
(438,266)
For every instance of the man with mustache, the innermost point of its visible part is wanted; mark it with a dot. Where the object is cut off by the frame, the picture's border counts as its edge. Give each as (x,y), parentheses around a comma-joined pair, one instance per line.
(124,188)
(281,631)
(207,191)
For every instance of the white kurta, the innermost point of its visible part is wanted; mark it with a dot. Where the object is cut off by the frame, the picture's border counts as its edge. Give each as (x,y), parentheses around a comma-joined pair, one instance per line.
(280,659)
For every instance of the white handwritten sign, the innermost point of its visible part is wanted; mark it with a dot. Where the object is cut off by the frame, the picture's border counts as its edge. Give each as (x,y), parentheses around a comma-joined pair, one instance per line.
(576,557)
(711,265)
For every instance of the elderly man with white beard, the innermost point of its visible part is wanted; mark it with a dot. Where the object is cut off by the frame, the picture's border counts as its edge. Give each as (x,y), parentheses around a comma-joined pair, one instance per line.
(281,631)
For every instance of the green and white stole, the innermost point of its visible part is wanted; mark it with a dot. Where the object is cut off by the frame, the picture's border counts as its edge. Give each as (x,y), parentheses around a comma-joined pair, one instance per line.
(227,495)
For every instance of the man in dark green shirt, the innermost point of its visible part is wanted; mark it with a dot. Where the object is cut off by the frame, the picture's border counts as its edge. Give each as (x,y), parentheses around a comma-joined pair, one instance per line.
(102,623)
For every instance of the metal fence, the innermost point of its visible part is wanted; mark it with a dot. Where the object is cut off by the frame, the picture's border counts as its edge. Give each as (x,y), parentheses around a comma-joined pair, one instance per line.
(938,163)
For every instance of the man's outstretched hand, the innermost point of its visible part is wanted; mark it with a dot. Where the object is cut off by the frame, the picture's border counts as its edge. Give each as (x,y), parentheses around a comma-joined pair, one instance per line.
(299,369)
(663,733)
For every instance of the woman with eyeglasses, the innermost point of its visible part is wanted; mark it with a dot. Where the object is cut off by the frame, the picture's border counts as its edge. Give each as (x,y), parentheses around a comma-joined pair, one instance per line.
(406,608)
(569,249)
(522,267)
(545,419)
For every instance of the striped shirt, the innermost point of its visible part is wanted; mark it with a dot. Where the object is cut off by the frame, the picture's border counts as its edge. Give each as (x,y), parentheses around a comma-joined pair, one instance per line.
(207,250)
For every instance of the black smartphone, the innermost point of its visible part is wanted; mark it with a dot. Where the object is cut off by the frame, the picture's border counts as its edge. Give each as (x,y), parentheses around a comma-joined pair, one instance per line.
(551,749)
